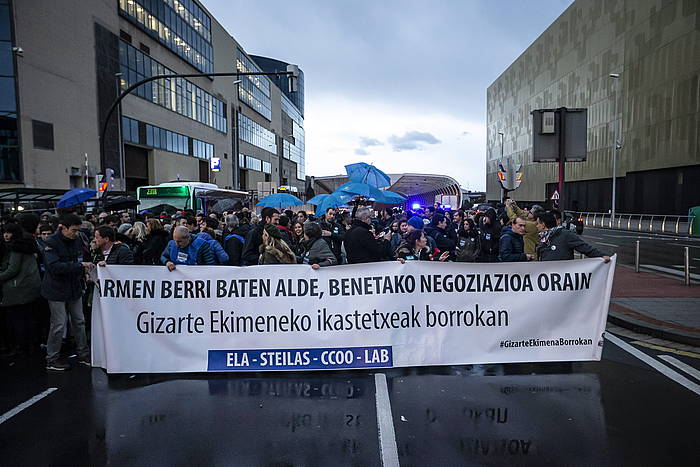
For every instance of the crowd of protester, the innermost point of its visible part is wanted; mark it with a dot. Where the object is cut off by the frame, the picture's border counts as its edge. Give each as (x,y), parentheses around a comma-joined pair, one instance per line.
(46,261)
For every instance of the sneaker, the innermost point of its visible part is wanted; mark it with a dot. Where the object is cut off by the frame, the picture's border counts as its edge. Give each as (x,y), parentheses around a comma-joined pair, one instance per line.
(85,361)
(57,366)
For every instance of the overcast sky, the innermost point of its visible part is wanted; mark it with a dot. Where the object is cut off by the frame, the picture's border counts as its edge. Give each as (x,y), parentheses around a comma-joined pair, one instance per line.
(400,84)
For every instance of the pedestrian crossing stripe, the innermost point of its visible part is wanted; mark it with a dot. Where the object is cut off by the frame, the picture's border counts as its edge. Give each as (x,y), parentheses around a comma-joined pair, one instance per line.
(685,353)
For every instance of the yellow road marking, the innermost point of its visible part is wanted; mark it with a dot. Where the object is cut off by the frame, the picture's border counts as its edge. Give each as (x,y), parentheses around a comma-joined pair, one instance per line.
(685,353)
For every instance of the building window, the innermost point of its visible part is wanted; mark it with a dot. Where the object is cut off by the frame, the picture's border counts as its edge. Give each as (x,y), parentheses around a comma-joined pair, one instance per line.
(42,133)
(176,94)
(9,126)
(266,167)
(256,134)
(166,140)
(254,91)
(180,25)
(294,151)
(250,163)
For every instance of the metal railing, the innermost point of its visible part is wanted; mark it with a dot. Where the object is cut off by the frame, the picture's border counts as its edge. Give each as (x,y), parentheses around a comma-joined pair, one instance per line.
(655,223)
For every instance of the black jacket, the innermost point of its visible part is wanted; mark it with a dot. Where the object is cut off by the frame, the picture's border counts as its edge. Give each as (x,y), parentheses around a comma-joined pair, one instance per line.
(65,276)
(561,245)
(234,247)
(335,240)
(120,254)
(443,242)
(361,246)
(152,247)
(489,238)
(511,246)
(251,248)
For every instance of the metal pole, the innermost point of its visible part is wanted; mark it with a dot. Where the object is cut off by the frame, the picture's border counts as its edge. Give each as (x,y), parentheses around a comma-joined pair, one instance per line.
(562,156)
(120,143)
(687,265)
(616,144)
(636,256)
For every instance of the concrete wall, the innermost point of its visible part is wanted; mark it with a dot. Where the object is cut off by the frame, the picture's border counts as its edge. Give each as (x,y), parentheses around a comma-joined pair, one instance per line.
(653,44)
(56,81)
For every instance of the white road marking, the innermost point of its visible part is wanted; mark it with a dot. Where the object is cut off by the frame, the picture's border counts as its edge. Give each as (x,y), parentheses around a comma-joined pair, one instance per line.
(681,366)
(681,266)
(385,423)
(655,364)
(607,244)
(689,246)
(591,236)
(8,415)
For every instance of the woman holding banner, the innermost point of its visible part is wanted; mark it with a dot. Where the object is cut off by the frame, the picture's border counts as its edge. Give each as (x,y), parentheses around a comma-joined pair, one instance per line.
(415,248)
(273,249)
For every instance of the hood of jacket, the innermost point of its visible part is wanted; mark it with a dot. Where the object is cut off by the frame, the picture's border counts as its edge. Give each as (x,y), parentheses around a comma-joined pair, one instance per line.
(24,245)
(359,223)
(159,233)
(204,236)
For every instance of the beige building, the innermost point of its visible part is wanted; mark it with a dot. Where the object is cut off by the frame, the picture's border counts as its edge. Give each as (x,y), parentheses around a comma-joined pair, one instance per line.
(70,57)
(654,47)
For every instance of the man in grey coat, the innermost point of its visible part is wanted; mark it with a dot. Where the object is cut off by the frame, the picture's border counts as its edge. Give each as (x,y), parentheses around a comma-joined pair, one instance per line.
(557,243)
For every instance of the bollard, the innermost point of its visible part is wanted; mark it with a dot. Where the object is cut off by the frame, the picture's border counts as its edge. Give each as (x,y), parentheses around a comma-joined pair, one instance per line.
(636,257)
(687,265)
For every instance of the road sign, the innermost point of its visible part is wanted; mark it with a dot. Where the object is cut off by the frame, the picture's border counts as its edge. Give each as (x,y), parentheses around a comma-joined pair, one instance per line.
(555,196)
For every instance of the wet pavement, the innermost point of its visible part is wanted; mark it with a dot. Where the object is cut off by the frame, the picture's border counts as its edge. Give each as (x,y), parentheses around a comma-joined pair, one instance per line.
(619,411)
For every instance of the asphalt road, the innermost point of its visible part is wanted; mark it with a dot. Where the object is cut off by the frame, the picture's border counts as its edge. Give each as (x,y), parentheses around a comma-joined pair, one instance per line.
(619,411)
(662,253)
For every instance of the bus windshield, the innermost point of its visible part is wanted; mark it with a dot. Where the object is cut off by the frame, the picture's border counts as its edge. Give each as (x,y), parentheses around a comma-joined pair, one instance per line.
(177,197)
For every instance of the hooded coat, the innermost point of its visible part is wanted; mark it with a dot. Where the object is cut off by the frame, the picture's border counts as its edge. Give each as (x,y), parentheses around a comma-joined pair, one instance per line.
(19,273)
(152,247)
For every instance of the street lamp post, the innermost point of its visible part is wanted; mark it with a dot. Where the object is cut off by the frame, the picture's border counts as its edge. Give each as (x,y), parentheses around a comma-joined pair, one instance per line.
(616,145)
(292,73)
(236,133)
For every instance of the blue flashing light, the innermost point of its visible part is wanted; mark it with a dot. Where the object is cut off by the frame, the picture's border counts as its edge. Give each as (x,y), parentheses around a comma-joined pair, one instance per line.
(415,206)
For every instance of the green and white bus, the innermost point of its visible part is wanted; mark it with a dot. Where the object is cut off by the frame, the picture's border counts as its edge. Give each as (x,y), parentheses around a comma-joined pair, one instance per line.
(178,196)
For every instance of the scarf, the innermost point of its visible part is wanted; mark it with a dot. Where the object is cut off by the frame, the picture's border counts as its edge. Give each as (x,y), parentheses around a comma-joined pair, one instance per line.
(546,234)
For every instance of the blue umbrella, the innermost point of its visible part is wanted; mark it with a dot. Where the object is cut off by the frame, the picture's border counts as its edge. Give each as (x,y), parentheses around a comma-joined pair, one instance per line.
(329,201)
(278,200)
(358,189)
(389,197)
(366,173)
(318,199)
(75,196)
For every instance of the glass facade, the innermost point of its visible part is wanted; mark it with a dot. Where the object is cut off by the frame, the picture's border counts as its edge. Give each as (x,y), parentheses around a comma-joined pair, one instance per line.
(256,134)
(9,123)
(253,163)
(295,152)
(176,94)
(160,138)
(180,25)
(254,91)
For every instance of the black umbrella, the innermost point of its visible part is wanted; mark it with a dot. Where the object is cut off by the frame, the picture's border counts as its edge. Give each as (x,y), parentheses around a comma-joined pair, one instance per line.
(227,205)
(122,202)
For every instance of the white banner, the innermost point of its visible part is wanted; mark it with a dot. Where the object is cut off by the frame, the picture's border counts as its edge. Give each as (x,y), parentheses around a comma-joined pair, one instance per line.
(290,317)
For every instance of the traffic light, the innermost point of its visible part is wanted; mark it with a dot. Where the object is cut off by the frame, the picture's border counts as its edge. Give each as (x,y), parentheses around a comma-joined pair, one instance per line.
(509,176)
(106,182)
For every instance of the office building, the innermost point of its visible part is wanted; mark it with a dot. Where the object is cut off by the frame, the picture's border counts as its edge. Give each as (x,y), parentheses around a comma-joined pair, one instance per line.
(635,67)
(65,62)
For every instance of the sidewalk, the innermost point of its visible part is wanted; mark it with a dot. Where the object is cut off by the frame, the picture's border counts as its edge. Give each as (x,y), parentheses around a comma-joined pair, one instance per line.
(652,304)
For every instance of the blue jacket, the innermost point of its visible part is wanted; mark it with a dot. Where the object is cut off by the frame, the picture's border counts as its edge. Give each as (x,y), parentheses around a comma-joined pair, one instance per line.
(219,253)
(64,279)
(511,247)
(197,252)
